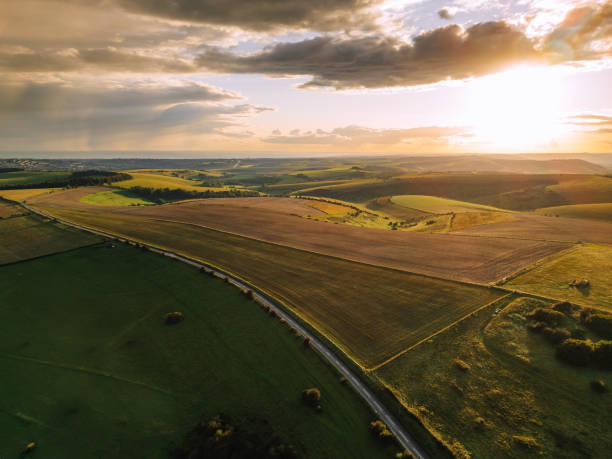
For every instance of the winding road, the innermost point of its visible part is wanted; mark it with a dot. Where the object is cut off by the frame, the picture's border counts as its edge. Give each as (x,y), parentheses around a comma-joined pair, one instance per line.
(405,440)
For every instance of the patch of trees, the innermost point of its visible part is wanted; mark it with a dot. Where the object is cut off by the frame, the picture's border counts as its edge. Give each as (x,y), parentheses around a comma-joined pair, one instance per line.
(161,195)
(172,318)
(76,179)
(312,397)
(584,352)
(597,322)
(10,169)
(220,438)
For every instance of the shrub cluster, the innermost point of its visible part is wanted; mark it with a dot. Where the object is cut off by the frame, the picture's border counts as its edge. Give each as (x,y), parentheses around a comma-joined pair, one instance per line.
(220,439)
(599,386)
(584,352)
(555,335)
(548,316)
(461,365)
(599,323)
(172,318)
(379,429)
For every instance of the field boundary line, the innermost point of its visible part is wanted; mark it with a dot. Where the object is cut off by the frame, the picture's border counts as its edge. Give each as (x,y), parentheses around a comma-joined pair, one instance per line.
(304,328)
(390,359)
(86,371)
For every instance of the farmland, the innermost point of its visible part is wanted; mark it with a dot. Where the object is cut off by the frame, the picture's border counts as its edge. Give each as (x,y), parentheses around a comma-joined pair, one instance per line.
(490,388)
(30,236)
(90,369)
(23,195)
(382,313)
(437,205)
(443,255)
(552,277)
(601,212)
(149,180)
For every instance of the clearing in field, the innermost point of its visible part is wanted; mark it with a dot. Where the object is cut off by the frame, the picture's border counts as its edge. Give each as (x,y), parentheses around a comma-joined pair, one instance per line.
(115,198)
(437,205)
(552,277)
(30,236)
(371,313)
(490,388)
(601,212)
(89,369)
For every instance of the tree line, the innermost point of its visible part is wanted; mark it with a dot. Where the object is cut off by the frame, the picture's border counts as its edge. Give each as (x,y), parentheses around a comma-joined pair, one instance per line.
(160,195)
(75,179)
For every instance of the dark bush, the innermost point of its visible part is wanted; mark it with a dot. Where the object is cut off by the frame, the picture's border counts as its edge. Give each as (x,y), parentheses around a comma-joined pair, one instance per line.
(249,294)
(311,396)
(306,342)
(585,314)
(536,327)
(599,387)
(379,429)
(555,335)
(461,365)
(173,318)
(578,333)
(580,283)
(602,354)
(575,351)
(220,439)
(563,306)
(549,316)
(600,324)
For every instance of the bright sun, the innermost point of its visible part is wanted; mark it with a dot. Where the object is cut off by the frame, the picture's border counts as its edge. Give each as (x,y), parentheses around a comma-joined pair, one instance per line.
(517,109)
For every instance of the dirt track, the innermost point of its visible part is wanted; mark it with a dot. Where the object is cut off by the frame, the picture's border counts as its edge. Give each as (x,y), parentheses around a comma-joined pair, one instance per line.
(474,259)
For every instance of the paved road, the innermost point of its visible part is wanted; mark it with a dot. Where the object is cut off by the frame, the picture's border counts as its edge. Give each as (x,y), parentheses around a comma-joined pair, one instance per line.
(393,425)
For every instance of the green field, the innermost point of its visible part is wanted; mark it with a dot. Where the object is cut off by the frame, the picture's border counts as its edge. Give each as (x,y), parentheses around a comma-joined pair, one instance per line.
(115,198)
(513,399)
(380,314)
(30,177)
(90,370)
(437,205)
(589,211)
(551,278)
(31,236)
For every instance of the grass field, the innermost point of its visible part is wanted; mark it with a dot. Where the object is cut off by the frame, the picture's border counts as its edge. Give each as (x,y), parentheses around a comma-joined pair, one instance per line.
(601,212)
(370,312)
(9,210)
(23,195)
(437,205)
(551,278)
(115,198)
(27,177)
(162,181)
(30,236)
(90,370)
(490,388)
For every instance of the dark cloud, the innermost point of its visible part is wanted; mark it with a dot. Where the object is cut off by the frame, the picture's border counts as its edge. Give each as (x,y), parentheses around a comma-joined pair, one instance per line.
(106,115)
(381,61)
(262,15)
(107,59)
(581,28)
(359,135)
(446,13)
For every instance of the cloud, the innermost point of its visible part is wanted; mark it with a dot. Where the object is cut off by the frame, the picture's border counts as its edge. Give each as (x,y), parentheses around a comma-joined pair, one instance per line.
(77,114)
(263,15)
(447,13)
(376,61)
(107,59)
(359,135)
(585,33)
(599,124)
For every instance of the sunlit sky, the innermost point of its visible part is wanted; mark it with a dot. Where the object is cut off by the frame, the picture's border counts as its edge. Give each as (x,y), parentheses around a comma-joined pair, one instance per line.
(295,76)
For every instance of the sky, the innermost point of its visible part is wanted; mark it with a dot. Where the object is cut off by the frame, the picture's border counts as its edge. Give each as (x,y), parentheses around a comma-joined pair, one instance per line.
(296,76)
